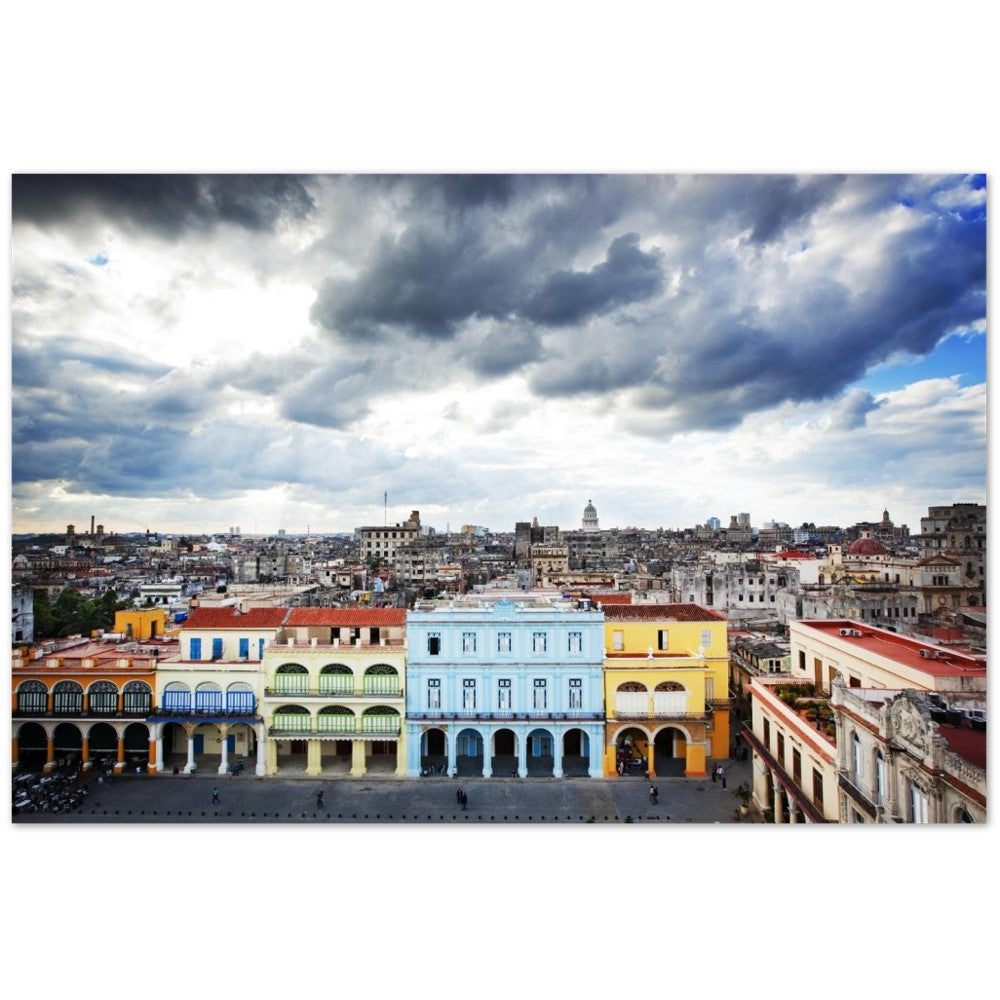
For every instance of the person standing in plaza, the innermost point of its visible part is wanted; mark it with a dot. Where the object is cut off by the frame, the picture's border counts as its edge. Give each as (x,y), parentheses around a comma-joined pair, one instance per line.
(319,799)
(215,797)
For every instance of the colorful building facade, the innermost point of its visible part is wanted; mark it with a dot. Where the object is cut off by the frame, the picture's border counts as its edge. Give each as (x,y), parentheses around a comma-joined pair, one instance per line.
(334,692)
(666,689)
(503,688)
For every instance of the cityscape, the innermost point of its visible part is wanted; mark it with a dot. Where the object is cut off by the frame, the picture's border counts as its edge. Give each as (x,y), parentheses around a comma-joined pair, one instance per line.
(816,674)
(495,499)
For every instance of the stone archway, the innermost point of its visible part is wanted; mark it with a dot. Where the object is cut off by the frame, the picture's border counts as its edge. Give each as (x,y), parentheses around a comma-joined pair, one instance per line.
(32,746)
(670,752)
(434,750)
(632,752)
(469,753)
(540,753)
(575,753)
(504,761)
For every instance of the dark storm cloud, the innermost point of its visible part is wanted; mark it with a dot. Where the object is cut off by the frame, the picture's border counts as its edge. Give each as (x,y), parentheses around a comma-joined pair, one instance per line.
(163,203)
(501,350)
(627,275)
(35,364)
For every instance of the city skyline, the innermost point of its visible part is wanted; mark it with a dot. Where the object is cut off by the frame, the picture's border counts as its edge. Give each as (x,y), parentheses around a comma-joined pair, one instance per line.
(280,352)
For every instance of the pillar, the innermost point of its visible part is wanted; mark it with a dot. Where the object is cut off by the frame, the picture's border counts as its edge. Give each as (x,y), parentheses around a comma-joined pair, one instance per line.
(157,750)
(50,752)
(357,758)
(85,752)
(487,754)
(224,761)
(120,763)
(314,757)
(450,736)
(13,752)
(49,701)
(650,756)
(779,800)
(402,751)
(522,754)
(793,811)
(272,755)
(557,753)
(189,766)
(86,703)
(151,763)
(262,744)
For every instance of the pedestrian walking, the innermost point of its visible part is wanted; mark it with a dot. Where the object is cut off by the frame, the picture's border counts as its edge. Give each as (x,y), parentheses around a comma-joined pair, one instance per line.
(656,795)
(652,794)
(723,779)
(459,794)
(718,772)
(465,801)
(215,797)
(715,773)
(319,799)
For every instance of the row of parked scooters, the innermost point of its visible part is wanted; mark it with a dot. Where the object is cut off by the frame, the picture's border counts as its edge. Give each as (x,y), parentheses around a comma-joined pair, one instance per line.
(47,793)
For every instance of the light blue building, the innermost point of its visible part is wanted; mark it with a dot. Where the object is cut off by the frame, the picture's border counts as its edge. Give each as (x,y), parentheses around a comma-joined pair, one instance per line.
(496,688)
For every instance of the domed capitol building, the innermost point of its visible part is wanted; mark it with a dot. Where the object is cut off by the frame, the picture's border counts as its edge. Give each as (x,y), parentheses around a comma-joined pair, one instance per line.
(590,522)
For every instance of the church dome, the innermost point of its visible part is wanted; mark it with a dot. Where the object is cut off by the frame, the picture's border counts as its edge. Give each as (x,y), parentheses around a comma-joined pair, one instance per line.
(590,509)
(867,547)
(590,522)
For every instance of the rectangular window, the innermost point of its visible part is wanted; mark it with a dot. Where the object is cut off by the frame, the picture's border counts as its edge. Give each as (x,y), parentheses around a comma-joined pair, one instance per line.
(541,694)
(662,639)
(802,660)
(216,649)
(576,693)
(918,804)
(796,767)
(767,734)
(503,642)
(781,749)
(576,642)
(244,649)
(817,789)
(434,693)
(617,640)
(503,694)
(468,642)
(433,643)
(469,695)
(538,642)
(195,650)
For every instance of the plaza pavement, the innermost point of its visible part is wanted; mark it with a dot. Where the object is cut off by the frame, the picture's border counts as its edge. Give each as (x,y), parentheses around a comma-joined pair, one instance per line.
(248,799)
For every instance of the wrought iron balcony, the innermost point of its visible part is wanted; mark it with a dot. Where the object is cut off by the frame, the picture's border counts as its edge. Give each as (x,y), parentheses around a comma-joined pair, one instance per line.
(352,692)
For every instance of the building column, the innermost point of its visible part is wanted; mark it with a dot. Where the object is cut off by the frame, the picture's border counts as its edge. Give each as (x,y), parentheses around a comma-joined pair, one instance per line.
(263,744)
(779,800)
(151,764)
(487,754)
(402,753)
(49,702)
(522,754)
(793,811)
(224,761)
(357,758)
(157,746)
(120,763)
(557,753)
(85,753)
(13,753)
(450,734)
(314,757)
(190,765)
(272,755)
(598,752)
(650,755)
(50,752)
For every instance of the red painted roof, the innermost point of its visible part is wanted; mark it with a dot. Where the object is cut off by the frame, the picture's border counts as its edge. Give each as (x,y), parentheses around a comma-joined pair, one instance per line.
(660,613)
(618,597)
(220,618)
(903,650)
(790,554)
(346,616)
(967,743)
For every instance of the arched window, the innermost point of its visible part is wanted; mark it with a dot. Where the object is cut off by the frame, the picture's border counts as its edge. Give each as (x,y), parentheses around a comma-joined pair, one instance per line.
(137,698)
(336,719)
(962,815)
(380,719)
(176,697)
(669,686)
(291,719)
(208,697)
(102,698)
(335,678)
(670,698)
(67,698)
(32,698)
(240,699)
(382,679)
(631,699)
(291,678)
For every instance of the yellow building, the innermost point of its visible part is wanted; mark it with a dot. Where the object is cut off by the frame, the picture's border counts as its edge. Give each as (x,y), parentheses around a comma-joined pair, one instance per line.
(666,691)
(144,623)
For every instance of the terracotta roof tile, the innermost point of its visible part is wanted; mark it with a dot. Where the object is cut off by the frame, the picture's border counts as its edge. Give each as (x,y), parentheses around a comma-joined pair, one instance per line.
(221,618)
(660,612)
(346,616)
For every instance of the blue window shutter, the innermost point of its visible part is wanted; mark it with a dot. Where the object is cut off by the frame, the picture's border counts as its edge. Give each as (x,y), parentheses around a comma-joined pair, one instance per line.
(196,649)
(260,650)
(216,649)
(244,649)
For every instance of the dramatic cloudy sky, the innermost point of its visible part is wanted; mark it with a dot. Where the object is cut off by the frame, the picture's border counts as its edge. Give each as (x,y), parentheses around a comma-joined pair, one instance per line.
(194,352)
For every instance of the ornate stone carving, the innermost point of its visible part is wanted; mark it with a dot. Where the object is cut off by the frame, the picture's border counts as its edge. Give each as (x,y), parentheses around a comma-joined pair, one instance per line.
(910,726)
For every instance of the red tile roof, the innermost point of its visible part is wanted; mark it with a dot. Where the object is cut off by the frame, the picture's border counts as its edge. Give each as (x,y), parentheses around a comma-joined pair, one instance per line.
(967,743)
(660,613)
(618,597)
(903,650)
(222,618)
(346,616)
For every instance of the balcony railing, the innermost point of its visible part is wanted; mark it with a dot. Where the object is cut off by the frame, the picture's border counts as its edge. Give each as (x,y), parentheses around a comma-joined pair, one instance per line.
(64,713)
(347,727)
(667,713)
(532,714)
(378,691)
